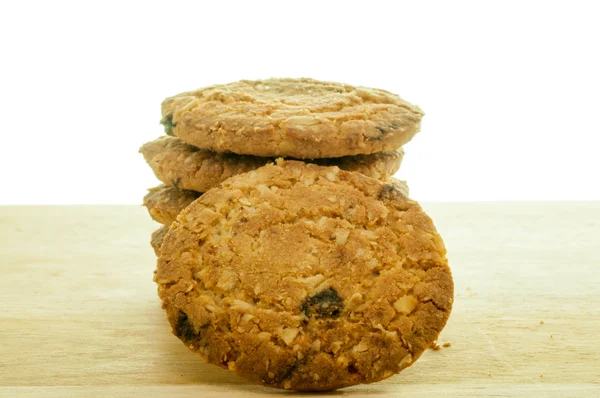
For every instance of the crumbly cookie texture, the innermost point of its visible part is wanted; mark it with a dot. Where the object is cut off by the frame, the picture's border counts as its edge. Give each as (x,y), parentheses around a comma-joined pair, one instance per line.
(157,238)
(184,166)
(298,118)
(305,277)
(167,202)
(164,203)
(400,185)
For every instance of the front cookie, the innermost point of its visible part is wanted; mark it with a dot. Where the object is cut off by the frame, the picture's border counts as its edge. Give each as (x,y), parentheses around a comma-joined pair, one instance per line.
(298,118)
(305,277)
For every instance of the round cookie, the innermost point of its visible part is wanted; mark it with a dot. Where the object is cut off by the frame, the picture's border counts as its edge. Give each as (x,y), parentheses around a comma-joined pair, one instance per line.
(305,277)
(184,166)
(157,238)
(298,118)
(164,203)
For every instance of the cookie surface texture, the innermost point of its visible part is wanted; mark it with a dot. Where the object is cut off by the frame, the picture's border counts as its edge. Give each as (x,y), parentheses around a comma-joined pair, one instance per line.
(299,118)
(184,166)
(305,277)
(157,238)
(164,203)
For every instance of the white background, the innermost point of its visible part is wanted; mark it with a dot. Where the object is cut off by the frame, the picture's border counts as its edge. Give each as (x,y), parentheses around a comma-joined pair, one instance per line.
(510,89)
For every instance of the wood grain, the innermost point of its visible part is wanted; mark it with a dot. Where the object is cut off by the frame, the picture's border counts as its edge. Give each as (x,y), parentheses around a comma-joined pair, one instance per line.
(79,314)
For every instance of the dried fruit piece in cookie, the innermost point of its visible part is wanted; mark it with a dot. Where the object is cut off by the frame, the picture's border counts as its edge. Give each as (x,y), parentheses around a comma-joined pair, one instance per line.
(400,185)
(299,118)
(305,277)
(184,166)
(164,203)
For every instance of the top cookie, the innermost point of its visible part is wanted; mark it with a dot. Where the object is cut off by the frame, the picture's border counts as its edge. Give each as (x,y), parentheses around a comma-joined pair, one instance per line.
(305,277)
(300,118)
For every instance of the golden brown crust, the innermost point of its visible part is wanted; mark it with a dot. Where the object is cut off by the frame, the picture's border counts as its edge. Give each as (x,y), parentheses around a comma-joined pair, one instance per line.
(305,277)
(379,165)
(299,118)
(164,202)
(157,238)
(184,166)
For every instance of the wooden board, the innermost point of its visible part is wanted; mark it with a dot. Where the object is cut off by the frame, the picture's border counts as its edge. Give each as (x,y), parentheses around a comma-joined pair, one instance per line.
(79,314)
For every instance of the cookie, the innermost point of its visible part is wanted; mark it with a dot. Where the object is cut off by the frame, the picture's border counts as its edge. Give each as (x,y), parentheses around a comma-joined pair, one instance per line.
(157,238)
(305,277)
(164,203)
(184,166)
(298,118)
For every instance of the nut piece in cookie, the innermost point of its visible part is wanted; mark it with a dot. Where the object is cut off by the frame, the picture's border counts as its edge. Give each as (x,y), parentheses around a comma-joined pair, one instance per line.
(297,118)
(305,277)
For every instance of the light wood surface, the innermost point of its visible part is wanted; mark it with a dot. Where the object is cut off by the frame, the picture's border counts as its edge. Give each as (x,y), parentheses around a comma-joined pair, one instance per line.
(79,314)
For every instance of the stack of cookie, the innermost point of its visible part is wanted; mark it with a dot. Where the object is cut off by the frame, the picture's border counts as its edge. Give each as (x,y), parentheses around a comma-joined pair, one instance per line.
(187,171)
(289,255)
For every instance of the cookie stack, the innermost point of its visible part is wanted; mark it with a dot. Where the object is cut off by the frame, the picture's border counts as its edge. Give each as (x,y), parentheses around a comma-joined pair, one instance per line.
(289,255)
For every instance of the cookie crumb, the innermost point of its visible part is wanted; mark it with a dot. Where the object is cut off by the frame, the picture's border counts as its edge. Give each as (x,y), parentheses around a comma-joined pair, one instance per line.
(541,375)
(541,322)
(489,373)
(469,292)
(435,346)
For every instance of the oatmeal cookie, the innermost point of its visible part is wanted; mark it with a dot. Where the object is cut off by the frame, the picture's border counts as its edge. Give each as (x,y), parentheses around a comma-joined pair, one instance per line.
(305,277)
(184,166)
(298,118)
(164,202)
